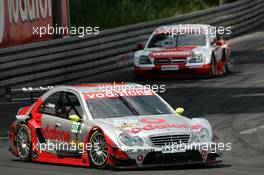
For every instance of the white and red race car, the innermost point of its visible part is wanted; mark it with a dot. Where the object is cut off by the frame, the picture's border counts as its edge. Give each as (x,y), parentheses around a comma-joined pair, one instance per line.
(120,125)
(190,49)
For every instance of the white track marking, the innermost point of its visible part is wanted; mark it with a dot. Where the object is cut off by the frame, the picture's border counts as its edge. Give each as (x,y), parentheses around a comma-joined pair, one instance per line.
(252,131)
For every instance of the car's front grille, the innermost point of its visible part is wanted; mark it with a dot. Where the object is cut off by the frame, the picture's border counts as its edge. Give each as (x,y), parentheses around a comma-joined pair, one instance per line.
(162,140)
(158,158)
(178,61)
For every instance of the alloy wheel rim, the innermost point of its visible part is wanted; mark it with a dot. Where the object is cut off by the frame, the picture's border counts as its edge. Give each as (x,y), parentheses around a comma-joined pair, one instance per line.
(98,153)
(23,143)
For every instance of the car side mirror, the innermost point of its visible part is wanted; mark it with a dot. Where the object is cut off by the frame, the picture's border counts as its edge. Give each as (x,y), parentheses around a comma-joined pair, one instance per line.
(140,46)
(74,118)
(179,111)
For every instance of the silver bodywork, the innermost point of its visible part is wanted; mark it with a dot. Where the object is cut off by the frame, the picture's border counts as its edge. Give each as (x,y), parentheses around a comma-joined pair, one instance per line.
(113,127)
(206,50)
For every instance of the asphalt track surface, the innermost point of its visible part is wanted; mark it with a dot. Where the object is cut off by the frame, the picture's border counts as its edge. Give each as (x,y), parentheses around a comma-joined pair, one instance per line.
(233,103)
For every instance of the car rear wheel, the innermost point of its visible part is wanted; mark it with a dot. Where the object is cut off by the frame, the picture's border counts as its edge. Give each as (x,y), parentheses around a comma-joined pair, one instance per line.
(98,153)
(23,143)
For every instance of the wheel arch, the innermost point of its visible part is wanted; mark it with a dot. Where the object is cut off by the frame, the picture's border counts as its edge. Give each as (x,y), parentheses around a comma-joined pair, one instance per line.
(109,141)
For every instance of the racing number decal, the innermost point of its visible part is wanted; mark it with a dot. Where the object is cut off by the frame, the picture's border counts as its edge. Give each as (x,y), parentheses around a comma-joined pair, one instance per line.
(76,127)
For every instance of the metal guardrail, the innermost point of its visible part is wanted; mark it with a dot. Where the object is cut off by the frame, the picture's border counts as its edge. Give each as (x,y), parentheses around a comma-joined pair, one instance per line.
(58,61)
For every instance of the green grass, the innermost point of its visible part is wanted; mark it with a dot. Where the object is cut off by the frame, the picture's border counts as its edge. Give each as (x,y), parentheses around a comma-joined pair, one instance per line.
(114,13)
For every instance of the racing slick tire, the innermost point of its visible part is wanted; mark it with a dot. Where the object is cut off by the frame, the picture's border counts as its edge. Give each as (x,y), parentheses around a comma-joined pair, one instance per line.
(99,152)
(24,143)
(213,70)
(226,69)
(226,66)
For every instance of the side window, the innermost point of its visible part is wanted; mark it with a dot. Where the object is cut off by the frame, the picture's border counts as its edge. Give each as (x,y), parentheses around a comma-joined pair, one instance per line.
(52,104)
(62,105)
(72,105)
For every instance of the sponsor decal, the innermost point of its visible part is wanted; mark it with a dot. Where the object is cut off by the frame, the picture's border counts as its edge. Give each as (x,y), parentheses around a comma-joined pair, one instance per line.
(160,123)
(122,93)
(2,20)
(170,54)
(28,10)
(125,124)
(158,126)
(55,134)
(153,120)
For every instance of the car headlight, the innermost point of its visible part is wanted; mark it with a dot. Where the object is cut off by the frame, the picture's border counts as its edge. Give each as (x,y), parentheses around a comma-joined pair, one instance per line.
(138,141)
(130,141)
(202,136)
(196,58)
(126,139)
(144,60)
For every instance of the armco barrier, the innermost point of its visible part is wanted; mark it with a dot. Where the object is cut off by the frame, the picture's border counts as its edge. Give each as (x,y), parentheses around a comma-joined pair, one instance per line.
(63,60)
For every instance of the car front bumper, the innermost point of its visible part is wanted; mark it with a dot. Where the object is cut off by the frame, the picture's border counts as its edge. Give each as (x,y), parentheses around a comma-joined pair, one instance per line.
(159,159)
(183,70)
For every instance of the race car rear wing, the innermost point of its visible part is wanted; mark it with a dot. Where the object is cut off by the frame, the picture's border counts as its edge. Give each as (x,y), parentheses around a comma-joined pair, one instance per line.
(25,93)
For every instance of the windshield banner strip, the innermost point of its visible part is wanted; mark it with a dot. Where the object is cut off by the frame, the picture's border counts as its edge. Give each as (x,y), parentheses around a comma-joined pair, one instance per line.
(122,93)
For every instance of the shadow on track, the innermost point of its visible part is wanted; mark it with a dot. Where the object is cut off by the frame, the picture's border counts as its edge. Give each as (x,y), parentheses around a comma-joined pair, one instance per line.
(179,167)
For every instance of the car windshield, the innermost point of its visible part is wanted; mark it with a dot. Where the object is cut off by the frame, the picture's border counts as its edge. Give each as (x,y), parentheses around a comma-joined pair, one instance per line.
(122,106)
(169,40)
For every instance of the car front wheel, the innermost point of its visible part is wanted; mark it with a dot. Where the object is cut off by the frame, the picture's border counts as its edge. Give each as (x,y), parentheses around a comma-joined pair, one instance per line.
(98,153)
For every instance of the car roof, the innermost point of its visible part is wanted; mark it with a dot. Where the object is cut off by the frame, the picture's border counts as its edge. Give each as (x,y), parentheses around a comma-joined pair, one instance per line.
(188,25)
(202,26)
(97,87)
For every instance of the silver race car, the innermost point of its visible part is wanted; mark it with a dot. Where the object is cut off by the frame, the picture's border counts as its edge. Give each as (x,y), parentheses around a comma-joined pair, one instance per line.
(118,125)
(183,50)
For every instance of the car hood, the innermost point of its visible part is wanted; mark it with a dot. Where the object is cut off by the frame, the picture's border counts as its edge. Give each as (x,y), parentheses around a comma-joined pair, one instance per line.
(145,126)
(173,52)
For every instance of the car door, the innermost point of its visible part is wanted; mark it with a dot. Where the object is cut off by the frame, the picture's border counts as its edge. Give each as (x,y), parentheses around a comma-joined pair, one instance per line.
(48,134)
(71,106)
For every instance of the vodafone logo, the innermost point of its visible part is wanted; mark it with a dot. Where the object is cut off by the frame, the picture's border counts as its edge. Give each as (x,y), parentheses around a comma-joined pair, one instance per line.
(54,134)
(150,127)
(28,10)
(153,120)
(122,93)
(2,20)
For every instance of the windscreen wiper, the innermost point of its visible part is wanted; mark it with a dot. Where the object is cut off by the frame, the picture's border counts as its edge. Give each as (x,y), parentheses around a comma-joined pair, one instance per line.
(130,107)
